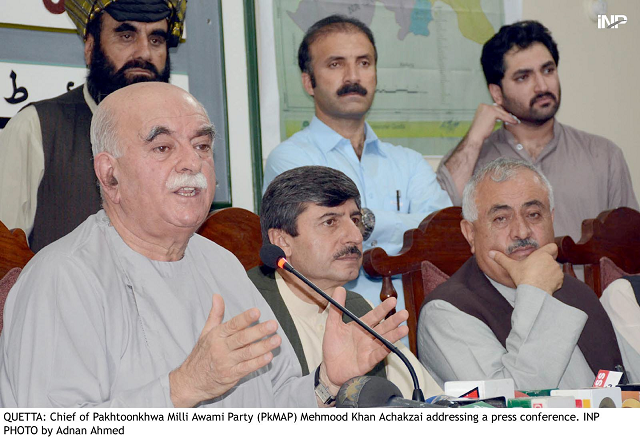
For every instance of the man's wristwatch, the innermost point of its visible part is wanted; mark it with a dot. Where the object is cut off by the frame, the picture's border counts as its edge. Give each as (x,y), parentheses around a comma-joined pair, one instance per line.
(322,391)
(368,223)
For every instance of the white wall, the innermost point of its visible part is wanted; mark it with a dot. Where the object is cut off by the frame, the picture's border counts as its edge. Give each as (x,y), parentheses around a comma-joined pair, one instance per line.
(237,104)
(599,70)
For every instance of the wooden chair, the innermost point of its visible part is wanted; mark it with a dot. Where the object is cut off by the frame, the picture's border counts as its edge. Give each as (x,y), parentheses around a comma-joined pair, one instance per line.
(6,282)
(438,240)
(614,234)
(238,231)
(14,250)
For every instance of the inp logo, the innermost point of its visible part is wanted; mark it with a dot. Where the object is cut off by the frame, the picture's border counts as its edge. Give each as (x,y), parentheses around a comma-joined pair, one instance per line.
(605,22)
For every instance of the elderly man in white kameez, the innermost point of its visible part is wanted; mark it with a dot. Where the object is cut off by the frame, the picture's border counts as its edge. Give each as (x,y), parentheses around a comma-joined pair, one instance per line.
(133,310)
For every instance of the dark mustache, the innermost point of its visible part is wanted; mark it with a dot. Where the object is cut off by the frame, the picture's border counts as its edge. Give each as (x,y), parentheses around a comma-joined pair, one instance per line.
(348,251)
(527,242)
(542,95)
(139,63)
(352,88)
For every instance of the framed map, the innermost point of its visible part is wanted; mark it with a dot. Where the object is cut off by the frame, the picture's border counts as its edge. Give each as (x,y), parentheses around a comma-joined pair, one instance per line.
(430,80)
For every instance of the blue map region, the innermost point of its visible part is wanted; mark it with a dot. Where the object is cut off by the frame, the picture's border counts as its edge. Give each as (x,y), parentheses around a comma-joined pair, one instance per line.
(421,17)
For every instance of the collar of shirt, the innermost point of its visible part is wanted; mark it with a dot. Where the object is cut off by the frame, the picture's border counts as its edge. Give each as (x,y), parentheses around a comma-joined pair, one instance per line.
(506,292)
(87,97)
(327,139)
(506,137)
(129,260)
(305,310)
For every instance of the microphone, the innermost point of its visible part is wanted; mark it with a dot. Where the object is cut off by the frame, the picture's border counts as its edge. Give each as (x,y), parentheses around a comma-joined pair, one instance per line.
(376,392)
(274,257)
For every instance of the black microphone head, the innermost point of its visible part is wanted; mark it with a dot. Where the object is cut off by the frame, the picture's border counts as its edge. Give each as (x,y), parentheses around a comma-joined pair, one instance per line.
(366,392)
(270,254)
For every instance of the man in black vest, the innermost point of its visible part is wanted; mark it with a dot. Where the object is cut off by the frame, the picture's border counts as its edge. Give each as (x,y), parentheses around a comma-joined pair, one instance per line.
(47,183)
(313,214)
(509,312)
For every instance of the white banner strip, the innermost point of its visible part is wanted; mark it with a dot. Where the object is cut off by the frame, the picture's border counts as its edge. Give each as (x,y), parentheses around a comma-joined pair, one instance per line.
(312,422)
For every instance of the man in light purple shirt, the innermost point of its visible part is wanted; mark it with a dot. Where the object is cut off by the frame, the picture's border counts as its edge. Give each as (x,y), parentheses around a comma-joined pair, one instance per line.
(588,172)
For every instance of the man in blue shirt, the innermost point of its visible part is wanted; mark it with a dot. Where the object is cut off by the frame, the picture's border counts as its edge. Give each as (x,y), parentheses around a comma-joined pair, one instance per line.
(398,188)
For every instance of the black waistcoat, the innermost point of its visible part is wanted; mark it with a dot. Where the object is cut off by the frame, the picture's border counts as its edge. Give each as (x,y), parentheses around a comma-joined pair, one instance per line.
(68,192)
(470,291)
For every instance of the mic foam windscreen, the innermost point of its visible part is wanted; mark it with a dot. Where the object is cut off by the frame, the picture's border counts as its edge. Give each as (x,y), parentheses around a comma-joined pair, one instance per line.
(270,254)
(366,392)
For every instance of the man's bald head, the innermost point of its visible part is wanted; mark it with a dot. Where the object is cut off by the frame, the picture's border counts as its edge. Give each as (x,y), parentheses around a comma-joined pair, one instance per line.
(153,156)
(124,103)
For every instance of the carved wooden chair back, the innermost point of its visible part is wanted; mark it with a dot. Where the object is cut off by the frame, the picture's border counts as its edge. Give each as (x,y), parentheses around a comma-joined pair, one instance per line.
(14,250)
(238,231)
(614,234)
(437,239)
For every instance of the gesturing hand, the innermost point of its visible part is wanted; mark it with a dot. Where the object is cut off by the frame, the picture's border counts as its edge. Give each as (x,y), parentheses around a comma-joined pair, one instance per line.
(539,269)
(224,353)
(348,350)
(485,120)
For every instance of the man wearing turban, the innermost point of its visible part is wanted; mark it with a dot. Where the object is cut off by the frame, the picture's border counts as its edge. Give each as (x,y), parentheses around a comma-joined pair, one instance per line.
(47,183)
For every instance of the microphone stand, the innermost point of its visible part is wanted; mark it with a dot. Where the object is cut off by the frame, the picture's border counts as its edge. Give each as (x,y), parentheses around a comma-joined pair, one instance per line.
(417,392)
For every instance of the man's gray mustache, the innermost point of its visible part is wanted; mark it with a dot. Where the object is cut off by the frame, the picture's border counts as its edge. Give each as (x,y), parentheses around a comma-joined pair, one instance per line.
(519,244)
(187,180)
